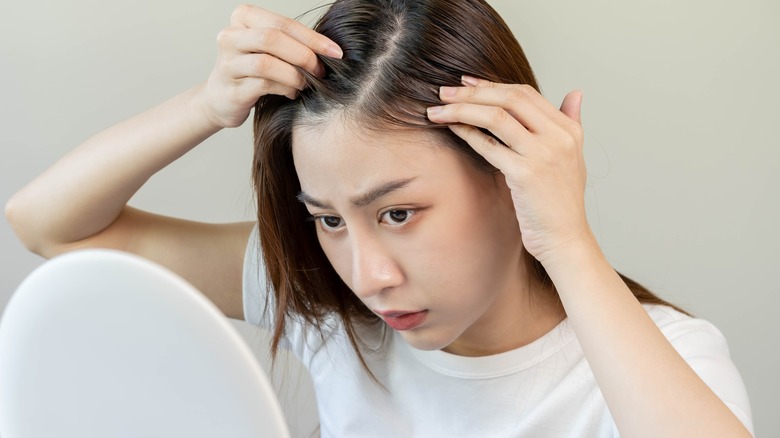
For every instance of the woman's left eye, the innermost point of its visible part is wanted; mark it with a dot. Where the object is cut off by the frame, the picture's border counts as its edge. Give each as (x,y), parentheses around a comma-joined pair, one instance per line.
(397,217)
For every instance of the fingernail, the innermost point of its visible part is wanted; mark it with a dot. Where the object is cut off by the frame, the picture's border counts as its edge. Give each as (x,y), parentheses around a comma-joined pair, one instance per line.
(469,80)
(334,51)
(447,91)
(434,110)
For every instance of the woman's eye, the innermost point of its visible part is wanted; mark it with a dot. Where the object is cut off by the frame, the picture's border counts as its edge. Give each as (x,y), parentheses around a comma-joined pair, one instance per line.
(330,223)
(397,217)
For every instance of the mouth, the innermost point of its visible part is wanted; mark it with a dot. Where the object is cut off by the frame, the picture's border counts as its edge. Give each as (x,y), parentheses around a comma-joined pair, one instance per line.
(404,320)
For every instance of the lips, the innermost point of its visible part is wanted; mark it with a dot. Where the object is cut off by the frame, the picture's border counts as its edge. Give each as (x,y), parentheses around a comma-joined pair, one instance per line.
(404,320)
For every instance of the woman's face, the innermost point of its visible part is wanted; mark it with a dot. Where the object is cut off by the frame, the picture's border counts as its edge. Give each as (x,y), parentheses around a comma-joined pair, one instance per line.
(412,226)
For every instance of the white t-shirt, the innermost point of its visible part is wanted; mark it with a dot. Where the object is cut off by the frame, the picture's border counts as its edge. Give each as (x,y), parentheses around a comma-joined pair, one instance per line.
(544,389)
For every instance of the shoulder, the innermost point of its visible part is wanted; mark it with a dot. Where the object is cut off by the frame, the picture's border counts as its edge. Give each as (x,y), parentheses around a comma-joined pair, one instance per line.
(689,335)
(675,324)
(705,349)
(697,340)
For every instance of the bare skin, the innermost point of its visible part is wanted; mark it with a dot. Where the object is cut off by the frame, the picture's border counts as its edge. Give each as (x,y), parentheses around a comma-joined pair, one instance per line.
(81,202)
(541,157)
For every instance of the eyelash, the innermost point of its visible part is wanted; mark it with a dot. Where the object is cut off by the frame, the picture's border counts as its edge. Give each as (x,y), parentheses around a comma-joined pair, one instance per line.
(320,219)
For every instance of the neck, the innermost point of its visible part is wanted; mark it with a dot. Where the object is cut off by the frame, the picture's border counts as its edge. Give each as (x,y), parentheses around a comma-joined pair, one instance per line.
(518,318)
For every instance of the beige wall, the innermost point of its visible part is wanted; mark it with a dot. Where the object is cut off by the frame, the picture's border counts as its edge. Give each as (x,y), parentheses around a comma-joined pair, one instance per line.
(681,114)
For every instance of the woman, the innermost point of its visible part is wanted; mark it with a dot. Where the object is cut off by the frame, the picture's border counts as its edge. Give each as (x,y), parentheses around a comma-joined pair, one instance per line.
(447,282)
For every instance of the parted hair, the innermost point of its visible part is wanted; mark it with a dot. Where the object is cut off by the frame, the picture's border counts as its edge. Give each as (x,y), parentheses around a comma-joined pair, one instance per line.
(397,53)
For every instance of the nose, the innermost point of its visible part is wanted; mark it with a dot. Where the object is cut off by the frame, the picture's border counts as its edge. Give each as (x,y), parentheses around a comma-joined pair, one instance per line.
(373,267)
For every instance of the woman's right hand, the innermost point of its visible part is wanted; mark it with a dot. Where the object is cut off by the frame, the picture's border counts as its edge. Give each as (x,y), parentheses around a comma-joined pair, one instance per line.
(258,55)
(81,201)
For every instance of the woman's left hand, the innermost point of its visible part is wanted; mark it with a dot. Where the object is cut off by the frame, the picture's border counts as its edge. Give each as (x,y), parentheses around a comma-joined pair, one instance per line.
(539,153)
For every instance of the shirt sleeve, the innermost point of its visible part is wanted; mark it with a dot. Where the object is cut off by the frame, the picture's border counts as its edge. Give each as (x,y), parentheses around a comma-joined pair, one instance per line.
(705,349)
(255,289)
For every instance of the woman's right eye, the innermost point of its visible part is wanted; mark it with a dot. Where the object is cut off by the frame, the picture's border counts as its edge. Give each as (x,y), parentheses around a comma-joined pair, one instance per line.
(330,223)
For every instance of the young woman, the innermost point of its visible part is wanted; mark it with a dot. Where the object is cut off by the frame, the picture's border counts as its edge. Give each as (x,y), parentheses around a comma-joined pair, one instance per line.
(421,243)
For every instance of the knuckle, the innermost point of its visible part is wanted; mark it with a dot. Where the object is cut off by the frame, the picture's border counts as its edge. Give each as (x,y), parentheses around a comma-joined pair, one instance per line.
(528,89)
(240,12)
(262,64)
(264,86)
(490,142)
(267,37)
(498,115)
(572,143)
(282,23)
(571,138)
(569,143)
(222,37)
(518,93)
(225,37)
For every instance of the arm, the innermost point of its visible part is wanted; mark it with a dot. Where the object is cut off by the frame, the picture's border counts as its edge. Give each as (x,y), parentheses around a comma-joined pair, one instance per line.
(81,201)
(650,390)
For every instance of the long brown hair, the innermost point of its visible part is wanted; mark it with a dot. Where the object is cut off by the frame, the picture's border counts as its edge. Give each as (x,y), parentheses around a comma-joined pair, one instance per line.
(396,55)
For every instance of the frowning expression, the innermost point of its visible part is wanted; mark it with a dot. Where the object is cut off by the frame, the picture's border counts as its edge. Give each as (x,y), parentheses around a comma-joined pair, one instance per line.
(411,225)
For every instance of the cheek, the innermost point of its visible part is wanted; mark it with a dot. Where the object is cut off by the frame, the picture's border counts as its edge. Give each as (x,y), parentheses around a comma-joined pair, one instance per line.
(455,249)
(474,250)
(339,256)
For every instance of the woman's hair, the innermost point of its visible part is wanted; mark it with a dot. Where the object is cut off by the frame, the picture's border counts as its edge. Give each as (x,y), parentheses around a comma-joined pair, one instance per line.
(397,53)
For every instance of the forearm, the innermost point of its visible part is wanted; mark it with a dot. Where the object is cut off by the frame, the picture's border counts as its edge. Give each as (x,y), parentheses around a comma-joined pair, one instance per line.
(650,390)
(86,190)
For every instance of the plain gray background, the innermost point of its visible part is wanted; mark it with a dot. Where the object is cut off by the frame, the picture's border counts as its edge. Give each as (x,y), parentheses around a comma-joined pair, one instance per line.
(680,111)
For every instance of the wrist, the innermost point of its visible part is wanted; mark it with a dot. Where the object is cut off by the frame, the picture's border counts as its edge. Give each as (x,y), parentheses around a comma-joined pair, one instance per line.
(576,253)
(201,115)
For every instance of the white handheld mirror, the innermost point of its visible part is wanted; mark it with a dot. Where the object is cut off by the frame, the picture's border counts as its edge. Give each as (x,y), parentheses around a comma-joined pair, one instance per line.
(100,343)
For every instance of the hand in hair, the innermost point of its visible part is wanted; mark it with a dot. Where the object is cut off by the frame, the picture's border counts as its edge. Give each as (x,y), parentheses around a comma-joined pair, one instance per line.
(539,151)
(538,148)
(259,54)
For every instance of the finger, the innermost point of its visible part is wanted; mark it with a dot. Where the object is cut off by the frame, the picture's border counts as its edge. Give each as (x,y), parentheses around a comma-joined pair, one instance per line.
(262,87)
(471,81)
(519,92)
(497,154)
(265,66)
(493,118)
(275,42)
(572,105)
(519,101)
(256,17)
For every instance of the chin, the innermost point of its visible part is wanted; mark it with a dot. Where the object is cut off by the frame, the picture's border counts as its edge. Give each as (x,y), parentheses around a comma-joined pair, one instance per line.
(427,340)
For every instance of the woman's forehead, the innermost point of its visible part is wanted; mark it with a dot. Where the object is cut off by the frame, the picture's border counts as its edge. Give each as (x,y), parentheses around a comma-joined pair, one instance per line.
(337,161)
(346,142)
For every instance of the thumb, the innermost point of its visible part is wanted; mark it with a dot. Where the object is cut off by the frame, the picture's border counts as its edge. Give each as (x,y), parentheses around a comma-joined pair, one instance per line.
(572,105)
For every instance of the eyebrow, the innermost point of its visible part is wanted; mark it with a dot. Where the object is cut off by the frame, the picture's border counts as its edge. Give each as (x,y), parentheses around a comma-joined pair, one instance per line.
(362,200)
